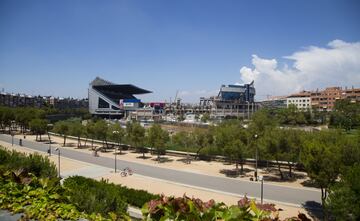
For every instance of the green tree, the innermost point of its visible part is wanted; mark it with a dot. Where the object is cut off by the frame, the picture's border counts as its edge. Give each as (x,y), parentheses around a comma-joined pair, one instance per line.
(346,114)
(202,139)
(344,196)
(231,139)
(90,132)
(77,130)
(260,122)
(322,160)
(136,135)
(101,132)
(350,149)
(290,146)
(271,139)
(7,117)
(157,138)
(117,134)
(183,140)
(39,127)
(62,128)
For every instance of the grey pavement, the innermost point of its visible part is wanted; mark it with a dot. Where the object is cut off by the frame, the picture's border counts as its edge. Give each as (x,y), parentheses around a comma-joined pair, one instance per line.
(91,171)
(275,193)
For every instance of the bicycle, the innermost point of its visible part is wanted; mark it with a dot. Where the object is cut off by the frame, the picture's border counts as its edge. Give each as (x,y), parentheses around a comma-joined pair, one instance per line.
(126,171)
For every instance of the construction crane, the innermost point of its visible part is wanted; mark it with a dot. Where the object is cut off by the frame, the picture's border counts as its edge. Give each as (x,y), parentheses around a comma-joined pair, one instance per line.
(177,92)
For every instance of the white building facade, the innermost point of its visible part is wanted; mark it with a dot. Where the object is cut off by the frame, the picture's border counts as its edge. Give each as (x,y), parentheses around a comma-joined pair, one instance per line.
(302,100)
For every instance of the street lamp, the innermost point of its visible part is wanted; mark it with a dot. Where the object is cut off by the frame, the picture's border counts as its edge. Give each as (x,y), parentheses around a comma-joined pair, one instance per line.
(115,132)
(256,158)
(261,178)
(248,110)
(58,150)
(49,150)
(12,138)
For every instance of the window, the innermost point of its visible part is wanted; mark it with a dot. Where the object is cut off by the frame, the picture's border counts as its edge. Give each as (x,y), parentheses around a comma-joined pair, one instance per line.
(103,103)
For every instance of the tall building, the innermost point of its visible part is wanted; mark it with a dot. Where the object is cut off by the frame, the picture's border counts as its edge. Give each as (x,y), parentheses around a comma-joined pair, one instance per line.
(113,100)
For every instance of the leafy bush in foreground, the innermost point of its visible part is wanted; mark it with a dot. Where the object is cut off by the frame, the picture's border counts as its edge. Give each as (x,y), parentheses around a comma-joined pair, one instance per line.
(40,199)
(93,196)
(185,208)
(35,163)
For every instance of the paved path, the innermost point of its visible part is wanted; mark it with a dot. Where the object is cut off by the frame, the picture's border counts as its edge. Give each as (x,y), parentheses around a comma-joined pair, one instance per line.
(275,193)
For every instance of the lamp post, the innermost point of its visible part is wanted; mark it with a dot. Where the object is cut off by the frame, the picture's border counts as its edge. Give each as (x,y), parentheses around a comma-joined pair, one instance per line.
(49,150)
(115,160)
(256,158)
(115,132)
(58,150)
(248,110)
(261,178)
(12,138)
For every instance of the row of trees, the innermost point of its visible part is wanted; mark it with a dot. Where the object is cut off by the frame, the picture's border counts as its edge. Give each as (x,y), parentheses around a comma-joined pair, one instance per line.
(19,117)
(345,115)
(33,119)
(134,134)
(24,118)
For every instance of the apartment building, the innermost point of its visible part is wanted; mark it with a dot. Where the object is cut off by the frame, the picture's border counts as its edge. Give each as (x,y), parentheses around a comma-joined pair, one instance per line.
(325,100)
(301,100)
(353,94)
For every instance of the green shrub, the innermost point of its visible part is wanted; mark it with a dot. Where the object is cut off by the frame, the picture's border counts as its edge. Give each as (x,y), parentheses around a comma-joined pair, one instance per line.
(36,164)
(85,192)
(136,197)
(43,199)
(94,196)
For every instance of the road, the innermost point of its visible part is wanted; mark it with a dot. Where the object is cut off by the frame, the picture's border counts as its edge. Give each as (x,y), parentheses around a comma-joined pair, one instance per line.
(275,193)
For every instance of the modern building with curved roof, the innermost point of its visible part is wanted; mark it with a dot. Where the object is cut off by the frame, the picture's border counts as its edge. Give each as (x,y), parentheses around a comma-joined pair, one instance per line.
(113,100)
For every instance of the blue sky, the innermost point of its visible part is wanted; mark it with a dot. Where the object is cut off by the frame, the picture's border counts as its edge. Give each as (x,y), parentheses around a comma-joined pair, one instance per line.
(57,47)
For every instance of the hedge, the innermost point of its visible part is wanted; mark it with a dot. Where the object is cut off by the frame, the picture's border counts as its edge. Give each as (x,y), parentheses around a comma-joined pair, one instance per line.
(81,190)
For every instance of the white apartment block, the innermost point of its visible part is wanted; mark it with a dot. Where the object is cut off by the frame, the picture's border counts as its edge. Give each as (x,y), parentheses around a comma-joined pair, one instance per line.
(302,100)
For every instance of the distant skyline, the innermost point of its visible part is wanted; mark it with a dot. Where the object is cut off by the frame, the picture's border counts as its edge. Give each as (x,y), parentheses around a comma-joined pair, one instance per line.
(57,48)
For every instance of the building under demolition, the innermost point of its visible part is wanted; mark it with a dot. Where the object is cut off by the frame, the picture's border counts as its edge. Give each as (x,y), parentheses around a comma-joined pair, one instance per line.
(232,101)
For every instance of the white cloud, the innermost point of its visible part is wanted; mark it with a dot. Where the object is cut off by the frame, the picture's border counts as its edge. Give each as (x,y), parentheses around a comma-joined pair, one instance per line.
(338,64)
